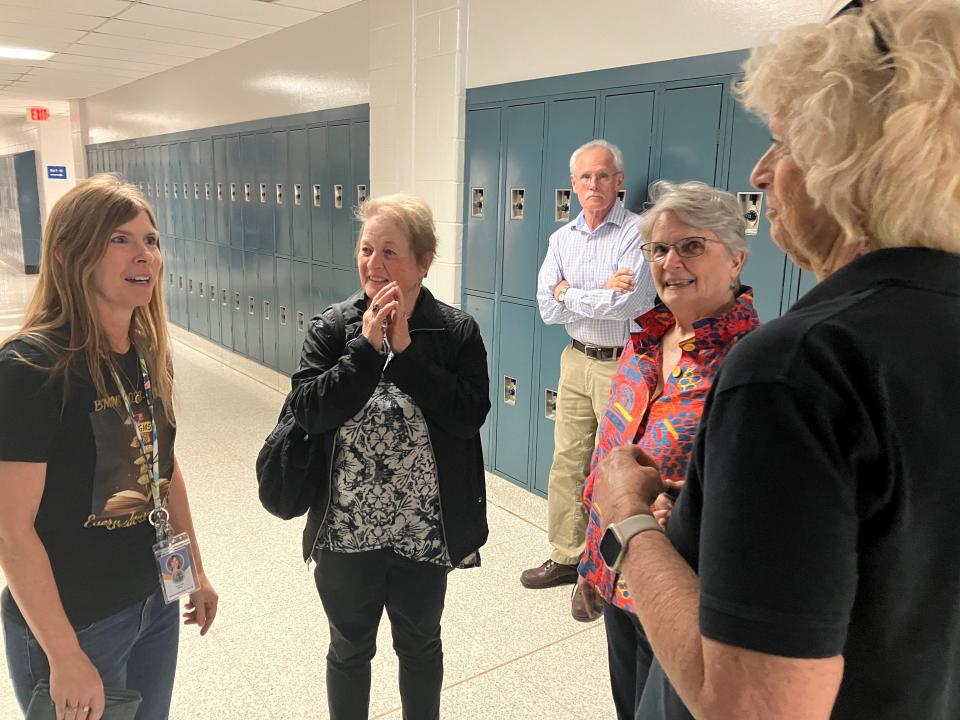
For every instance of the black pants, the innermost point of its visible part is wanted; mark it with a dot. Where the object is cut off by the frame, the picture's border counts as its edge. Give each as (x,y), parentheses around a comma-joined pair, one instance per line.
(629,656)
(354,589)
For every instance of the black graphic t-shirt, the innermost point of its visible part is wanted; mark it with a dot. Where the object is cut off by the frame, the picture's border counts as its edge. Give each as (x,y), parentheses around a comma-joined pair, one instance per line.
(92,517)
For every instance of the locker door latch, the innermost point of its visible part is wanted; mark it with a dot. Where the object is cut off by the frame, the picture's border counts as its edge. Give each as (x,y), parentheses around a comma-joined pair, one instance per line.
(224,300)
(516,203)
(175,196)
(361,194)
(206,190)
(476,202)
(190,286)
(157,190)
(283,315)
(297,196)
(196,191)
(316,196)
(509,390)
(219,191)
(213,294)
(247,192)
(621,197)
(279,193)
(263,193)
(338,196)
(300,321)
(253,304)
(233,192)
(236,301)
(750,205)
(201,288)
(171,279)
(186,191)
(549,404)
(561,208)
(266,309)
(180,282)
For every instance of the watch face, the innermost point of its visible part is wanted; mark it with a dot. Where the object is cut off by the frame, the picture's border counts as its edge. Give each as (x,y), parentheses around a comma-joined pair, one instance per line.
(610,548)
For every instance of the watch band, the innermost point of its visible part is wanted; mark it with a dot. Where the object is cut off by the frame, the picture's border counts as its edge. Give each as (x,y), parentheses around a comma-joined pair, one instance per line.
(635,525)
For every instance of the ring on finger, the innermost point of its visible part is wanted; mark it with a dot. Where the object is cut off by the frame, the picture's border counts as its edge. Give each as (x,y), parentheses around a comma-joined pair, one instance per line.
(376,307)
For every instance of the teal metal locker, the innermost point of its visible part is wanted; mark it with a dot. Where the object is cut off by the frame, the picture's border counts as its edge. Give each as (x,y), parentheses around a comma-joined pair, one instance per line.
(553,339)
(263,193)
(195,193)
(628,124)
(181,311)
(247,193)
(165,183)
(286,323)
(282,195)
(238,302)
(221,191)
(302,307)
(691,133)
(321,295)
(360,172)
(767,264)
(341,224)
(515,387)
(320,195)
(523,151)
(208,192)
(299,193)
(482,310)
(213,292)
(233,191)
(188,229)
(268,309)
(343,284)
(224,296)
(251,305)
(481,200)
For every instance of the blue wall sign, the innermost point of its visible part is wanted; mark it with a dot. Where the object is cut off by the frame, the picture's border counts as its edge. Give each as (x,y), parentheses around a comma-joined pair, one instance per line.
(57,172)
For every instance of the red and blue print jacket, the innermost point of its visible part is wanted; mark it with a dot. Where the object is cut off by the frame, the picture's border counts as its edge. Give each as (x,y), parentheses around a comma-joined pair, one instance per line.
(664,427)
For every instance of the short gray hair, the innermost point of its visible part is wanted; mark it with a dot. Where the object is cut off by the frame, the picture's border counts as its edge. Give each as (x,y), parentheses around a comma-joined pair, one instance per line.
(603,145)
(701,206)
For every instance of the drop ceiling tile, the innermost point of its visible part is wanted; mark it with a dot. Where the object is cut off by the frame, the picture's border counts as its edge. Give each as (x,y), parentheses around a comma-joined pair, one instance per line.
(247,10)
(74,60)
(181,37)
(122,54)
(47,18)
(67,72)
(102,8)
(164,48)
(30,35)
(317,5)
(164,18)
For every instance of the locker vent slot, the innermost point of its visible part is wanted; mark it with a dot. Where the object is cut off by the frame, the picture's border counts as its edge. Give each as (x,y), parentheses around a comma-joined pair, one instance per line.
(476,202)
(516,203)
(509,390)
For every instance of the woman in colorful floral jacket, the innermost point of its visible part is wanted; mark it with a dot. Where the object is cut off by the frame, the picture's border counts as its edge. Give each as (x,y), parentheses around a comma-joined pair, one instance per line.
(696,251)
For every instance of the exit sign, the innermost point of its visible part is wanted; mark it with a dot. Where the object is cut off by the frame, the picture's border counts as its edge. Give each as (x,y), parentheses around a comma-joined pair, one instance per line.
(38,113)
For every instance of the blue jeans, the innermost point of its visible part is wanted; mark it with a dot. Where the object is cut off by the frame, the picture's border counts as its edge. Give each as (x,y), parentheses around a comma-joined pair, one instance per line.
(135,648)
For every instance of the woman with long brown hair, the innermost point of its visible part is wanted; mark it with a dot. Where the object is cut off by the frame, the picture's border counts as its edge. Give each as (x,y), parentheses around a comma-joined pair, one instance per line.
(87,466)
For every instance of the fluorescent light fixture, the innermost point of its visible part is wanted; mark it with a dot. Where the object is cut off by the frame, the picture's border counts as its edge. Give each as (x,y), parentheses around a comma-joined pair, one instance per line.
(24,53)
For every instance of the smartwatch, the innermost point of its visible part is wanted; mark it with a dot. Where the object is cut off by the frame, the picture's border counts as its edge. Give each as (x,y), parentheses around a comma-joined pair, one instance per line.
(563,294)
(613,544)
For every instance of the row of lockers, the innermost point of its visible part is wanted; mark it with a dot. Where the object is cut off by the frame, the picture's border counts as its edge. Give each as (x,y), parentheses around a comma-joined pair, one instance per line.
(518,191)
(19,211)
(256,225)
(286,192)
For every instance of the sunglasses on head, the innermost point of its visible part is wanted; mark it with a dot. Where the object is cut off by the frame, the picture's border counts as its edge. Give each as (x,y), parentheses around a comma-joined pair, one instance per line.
(855,7)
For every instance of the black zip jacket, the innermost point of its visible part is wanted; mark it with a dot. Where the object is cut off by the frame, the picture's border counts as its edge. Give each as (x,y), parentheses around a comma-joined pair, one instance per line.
(444,370)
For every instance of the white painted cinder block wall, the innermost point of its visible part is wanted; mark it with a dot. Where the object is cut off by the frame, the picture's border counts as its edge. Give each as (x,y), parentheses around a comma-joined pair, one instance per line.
(412,61)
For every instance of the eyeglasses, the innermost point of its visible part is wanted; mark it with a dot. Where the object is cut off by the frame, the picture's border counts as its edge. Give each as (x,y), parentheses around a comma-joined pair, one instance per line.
(856,6)
(687,248)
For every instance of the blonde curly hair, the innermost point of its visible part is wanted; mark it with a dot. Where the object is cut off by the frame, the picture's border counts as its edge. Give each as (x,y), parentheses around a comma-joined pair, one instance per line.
(876,133)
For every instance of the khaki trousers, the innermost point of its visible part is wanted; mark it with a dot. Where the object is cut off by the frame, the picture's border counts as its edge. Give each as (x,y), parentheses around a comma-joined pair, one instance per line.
(581,401)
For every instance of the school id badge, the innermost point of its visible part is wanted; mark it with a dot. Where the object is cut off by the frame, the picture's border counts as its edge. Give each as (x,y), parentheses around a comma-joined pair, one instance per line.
(175,562)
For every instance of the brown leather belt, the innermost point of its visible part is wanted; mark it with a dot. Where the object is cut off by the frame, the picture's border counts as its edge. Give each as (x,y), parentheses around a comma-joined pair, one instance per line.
(596,352)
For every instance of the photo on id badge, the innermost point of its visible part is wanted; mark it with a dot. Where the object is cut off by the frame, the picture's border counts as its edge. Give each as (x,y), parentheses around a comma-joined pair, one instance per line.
(176,571)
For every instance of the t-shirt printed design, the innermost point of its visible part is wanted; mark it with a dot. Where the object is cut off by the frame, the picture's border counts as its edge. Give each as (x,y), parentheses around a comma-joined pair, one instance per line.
(122,490)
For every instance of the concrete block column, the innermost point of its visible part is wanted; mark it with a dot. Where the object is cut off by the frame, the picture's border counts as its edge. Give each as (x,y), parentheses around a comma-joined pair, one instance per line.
(417,113)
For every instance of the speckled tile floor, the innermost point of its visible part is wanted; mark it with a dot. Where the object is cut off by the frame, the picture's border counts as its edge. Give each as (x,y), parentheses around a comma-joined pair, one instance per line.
(509,652)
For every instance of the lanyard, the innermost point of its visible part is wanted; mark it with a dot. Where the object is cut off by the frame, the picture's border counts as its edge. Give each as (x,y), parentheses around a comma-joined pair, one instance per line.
(159,517)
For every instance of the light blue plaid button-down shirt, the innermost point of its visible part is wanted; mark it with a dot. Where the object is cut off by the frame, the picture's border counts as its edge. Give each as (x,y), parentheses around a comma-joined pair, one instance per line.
(586,260)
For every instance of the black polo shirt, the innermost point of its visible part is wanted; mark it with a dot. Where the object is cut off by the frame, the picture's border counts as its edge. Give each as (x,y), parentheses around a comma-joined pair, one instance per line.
(822,507)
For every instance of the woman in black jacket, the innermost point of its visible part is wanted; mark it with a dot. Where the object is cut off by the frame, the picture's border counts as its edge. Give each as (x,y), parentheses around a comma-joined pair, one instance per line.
(396,383)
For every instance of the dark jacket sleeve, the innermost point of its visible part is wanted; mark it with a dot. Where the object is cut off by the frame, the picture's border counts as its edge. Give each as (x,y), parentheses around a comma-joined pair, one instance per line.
(335,380)
(456,399)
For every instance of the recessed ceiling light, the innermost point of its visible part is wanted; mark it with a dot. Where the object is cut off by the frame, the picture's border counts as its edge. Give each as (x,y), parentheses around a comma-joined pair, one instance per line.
(24,53)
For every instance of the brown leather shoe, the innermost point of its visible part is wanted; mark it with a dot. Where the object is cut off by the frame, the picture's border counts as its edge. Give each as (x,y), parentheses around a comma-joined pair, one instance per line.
(548,575)
(580,606)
